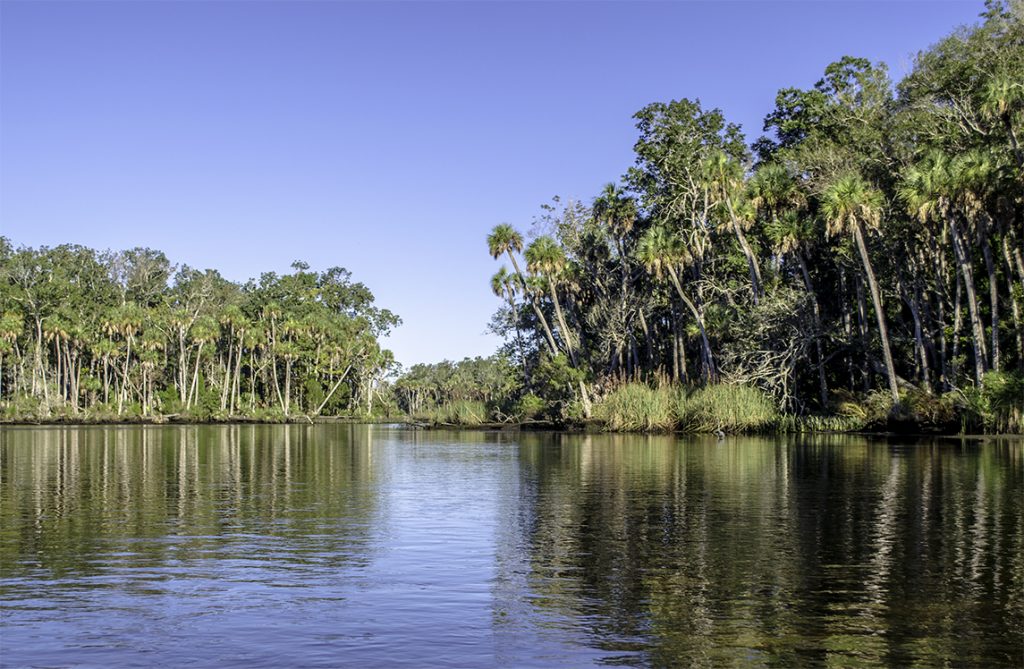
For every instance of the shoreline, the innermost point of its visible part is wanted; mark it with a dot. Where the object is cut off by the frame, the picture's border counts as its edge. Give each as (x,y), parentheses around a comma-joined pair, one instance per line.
(532,426)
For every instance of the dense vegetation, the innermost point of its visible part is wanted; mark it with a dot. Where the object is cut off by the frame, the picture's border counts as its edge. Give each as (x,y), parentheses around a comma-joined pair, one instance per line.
(861,264)
(98,336)
(862,258)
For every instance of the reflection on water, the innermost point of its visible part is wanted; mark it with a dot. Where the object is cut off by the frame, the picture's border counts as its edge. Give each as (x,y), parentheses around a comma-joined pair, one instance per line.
(371,546)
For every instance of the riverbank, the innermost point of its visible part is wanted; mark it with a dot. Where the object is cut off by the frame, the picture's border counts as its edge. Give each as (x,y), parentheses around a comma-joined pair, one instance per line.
(191,420)
(786,425)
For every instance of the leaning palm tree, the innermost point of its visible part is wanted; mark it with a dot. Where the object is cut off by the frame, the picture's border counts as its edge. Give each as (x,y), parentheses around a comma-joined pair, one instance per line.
(661,252)
(849,204)
(546,258)
(505,239)
(503,285)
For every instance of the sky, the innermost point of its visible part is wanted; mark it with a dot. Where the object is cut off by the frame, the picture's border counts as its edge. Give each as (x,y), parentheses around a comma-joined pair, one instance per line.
(388,137)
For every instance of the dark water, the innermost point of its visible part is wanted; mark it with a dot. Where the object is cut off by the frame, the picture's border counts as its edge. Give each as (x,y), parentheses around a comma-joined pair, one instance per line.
(257,546)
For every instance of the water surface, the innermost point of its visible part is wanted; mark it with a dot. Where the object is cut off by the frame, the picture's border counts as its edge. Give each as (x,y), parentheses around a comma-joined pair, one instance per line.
(369,546)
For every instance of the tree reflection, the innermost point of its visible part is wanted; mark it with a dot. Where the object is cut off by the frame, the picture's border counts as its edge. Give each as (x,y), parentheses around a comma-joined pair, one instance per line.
(834,551)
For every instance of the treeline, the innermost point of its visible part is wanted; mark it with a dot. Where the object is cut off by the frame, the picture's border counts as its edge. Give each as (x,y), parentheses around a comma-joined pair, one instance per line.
(868,246)
(108,335)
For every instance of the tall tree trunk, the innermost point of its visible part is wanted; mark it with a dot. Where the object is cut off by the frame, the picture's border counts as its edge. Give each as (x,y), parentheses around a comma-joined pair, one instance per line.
(710,375)
(226,388)
(567,335)
(983,230)
(865,339)
(915,313)
(124,376)
(331,393)
(977,330)
(648,339)
(752,260)
(1018,153)
(193,393)
(287,384)
(536,307)
(847,329)
(41,366)
(1014,302)
(755,268)
(519,333)
(939,269)
(106,379)
(958,319)
(236,385)
(816,312)
(876,297)
(182,376)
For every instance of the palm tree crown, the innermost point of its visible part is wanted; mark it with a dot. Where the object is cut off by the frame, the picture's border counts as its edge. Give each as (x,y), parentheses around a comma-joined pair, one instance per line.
(849,200)
(504,239)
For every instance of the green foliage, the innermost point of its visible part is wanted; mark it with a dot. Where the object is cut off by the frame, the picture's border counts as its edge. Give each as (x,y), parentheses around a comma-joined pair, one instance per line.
(531,407)
(996,407)
(129,335)
(424,388)
(874,246)
(557,381)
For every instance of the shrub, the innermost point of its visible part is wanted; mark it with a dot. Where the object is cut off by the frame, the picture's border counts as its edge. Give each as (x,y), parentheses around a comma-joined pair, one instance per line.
(531,407)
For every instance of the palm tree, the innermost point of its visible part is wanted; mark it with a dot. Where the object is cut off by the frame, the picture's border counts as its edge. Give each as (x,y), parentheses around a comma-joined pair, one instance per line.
(11,325)
(725,176)
(232,319)
(1002,97)
(790,234)
(505,239)
(618,213)
(774,190)
(203,332)
(927,190)
(125,321)
(661,252)
(503,285)
(545,258)
(972,175)
(849,204)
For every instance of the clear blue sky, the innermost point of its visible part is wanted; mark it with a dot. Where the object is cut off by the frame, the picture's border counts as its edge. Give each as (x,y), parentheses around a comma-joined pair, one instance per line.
(387,138)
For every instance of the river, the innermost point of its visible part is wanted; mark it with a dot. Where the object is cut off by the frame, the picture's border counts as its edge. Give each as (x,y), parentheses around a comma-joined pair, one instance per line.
(377,546)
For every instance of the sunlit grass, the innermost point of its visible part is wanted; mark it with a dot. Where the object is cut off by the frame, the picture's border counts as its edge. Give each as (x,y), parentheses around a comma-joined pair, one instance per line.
(637,407)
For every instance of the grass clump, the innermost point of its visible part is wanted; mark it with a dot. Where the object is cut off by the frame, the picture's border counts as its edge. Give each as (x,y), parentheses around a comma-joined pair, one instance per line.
(457,412)
(997,407)
(725,407)
(636,407)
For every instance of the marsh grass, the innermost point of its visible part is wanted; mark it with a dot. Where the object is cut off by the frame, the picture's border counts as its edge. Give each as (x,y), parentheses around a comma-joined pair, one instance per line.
(637,407)
(725,407)
(458,412)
